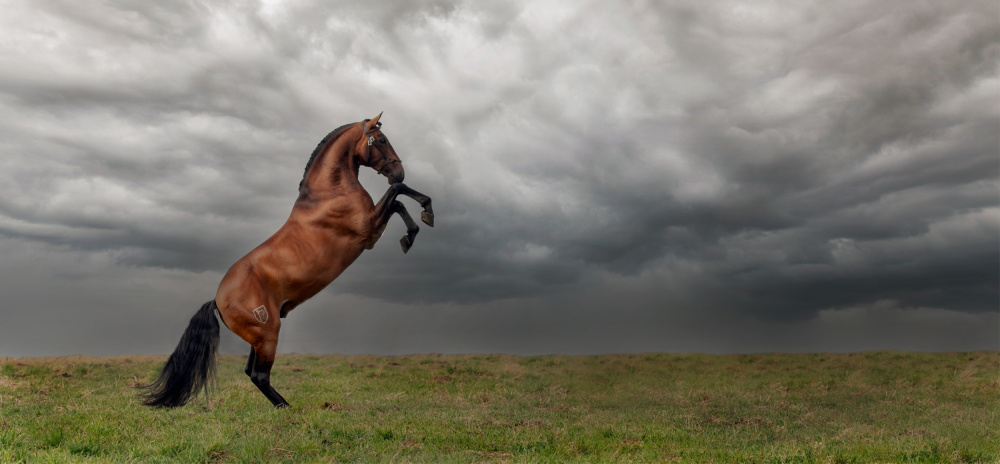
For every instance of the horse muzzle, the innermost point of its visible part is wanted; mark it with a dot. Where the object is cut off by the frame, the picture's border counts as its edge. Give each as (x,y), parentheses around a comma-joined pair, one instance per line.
(394,173)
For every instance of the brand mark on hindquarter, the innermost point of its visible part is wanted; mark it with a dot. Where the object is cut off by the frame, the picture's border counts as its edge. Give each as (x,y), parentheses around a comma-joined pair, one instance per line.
(260,313)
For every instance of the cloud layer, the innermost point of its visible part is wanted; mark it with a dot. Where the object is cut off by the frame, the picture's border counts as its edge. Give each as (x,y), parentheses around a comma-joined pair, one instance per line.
(643,171)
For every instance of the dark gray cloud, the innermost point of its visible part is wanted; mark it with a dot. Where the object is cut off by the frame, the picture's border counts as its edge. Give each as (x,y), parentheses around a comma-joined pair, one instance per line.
(621,176)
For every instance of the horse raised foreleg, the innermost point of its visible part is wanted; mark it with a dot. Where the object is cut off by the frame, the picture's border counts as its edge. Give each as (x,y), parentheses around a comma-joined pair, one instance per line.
(380,215)
(411,227)
(425,201)
(387,206)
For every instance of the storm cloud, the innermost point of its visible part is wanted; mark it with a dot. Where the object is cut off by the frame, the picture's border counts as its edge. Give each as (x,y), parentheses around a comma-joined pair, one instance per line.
(607,176)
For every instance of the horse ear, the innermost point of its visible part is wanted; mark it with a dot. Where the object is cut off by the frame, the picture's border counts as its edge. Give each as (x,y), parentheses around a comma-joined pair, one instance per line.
(372,123)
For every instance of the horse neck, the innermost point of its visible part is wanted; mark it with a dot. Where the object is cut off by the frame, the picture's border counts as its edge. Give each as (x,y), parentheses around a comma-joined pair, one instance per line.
(336,167)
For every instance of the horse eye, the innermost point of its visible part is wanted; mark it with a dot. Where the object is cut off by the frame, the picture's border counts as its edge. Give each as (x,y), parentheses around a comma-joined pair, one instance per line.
(382,141)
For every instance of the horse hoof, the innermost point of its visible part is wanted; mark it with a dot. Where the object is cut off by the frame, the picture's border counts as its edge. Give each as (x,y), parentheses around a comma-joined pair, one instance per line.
(282,406)
(405,243)
(428,218)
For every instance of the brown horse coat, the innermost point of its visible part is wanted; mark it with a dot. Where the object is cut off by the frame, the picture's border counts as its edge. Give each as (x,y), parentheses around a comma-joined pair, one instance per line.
(332,222)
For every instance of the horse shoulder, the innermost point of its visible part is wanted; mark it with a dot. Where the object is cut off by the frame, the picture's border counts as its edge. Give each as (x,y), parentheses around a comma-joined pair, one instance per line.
(344,214)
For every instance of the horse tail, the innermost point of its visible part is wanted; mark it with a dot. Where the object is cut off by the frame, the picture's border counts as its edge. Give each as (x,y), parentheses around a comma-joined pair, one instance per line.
(191,366)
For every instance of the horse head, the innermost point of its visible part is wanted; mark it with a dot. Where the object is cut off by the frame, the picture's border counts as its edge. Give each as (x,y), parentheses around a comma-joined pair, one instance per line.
(377,153)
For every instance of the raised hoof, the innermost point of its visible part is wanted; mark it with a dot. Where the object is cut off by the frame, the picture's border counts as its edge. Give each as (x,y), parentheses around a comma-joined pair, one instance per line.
(428,218)
(405,243)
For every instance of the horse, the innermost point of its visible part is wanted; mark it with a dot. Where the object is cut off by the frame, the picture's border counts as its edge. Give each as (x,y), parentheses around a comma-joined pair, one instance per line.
(332,221)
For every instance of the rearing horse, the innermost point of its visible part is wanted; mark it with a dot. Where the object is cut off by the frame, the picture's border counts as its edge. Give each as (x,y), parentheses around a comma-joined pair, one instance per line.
(332,222)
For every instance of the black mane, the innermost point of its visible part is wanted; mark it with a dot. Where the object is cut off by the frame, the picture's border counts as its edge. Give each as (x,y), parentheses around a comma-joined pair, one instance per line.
(319,148)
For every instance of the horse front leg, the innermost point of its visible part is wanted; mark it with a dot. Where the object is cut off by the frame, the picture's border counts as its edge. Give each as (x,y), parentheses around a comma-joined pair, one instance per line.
(383,211)
(411,227)
(425,201)
(380,215)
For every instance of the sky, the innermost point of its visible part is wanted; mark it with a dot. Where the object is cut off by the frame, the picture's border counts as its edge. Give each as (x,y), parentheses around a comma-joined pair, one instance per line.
(607,176)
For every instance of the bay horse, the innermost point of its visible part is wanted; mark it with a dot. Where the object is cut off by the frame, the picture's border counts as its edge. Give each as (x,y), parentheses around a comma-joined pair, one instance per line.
(332,222)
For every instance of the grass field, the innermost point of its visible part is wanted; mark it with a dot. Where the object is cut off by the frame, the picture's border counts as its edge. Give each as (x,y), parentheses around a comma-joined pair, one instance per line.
(869,407)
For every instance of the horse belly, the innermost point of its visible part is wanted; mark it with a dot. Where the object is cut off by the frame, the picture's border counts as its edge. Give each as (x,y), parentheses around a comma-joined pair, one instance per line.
(305,268)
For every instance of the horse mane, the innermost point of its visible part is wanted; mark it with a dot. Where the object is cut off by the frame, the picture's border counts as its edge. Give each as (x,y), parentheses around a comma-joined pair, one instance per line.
(319,149)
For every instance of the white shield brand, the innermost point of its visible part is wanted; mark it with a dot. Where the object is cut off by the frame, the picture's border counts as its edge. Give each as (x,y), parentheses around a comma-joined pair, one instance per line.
(260,313)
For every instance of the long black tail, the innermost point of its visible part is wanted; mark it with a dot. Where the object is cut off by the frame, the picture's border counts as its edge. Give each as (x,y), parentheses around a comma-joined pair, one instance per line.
(191,366)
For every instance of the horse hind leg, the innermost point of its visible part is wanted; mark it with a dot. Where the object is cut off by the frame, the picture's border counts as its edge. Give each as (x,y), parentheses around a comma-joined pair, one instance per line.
(251,360)
(260,373)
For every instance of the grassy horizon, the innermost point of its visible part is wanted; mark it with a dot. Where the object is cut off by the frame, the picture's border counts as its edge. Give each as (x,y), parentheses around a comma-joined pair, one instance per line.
(655,407)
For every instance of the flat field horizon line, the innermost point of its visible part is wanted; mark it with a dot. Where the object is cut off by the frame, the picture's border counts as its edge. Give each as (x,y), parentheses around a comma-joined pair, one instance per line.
(84,357)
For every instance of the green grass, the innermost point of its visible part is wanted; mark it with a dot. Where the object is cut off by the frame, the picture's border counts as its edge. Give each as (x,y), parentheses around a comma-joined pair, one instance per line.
(788,408)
